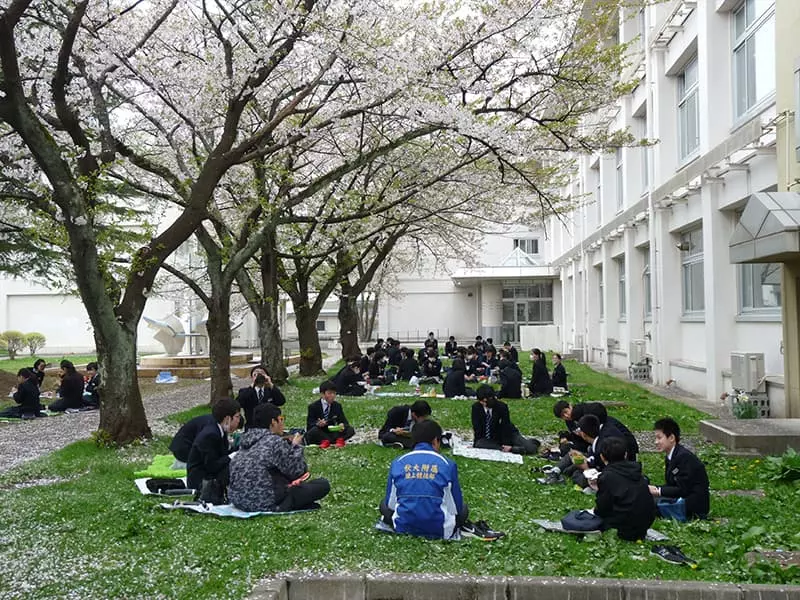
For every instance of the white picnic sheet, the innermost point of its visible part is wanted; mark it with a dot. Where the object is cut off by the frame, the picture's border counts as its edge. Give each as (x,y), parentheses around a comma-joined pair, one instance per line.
(222,510)
(141,485)
(463,448)
(652,534)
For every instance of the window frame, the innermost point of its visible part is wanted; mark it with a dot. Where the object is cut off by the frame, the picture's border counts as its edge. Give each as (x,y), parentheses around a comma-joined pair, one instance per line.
(690,260)
(622,300)
(534,241)
(646,282)
(685,95)
(740,42)
(535,292)
(747,271)
(322,323)
(600,287)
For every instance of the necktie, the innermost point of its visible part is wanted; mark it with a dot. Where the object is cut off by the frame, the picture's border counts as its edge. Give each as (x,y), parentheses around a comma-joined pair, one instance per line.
(260,395)
(488,424)
(325,409)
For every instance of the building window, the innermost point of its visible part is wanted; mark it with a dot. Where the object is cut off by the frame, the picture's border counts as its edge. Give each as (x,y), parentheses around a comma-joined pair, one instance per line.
(320,325)
(601,302)
(692,265)
(688,110)
(648,298)
(753,53)
(623,306)
(526,304)
(760,288)
(528,246)
(620,182)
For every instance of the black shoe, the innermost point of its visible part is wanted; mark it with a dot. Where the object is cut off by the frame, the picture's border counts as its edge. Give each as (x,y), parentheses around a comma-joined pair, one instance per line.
(552,478)
(481,531)
(672,554)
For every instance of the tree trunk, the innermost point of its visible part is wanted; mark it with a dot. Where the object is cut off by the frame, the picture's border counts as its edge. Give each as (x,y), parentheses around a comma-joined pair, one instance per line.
(310,351)
(122,416)
(348,321)
(367,315)
(269,325)
(219,346)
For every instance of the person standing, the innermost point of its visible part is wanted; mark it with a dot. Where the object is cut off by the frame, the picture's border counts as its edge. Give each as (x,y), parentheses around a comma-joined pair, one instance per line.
(260,391)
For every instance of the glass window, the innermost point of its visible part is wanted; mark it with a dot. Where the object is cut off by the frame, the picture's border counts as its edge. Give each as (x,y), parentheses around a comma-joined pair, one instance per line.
(528,246)
(692,267)
(753,53)
(600,292)
(623,306)
(688,110)
(760,287)
(320,325)
(529,304)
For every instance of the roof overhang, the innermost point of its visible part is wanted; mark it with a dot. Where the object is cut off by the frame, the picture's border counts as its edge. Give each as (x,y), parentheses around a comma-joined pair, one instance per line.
(769,230)
(497,274)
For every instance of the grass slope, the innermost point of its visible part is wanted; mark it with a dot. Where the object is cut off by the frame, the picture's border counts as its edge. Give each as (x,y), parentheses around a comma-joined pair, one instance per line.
(95,536)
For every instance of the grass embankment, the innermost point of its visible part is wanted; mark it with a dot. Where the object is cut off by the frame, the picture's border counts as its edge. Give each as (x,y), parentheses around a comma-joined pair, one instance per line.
(95,536)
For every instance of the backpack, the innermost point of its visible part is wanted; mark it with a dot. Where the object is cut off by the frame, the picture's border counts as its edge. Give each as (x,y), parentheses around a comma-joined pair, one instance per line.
(159,485)
(581,520)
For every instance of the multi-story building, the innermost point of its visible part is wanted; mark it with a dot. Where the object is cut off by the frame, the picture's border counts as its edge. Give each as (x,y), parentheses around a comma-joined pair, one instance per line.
(644,260)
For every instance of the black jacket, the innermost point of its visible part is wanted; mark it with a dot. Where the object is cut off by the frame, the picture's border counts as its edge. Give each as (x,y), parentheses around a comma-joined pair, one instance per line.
(454,384)
(363,365)
(346,382)
(208,456)
(686,478)
(513,355)
(407,369)
(27,396)
(183,440)
(432,368)
(394,356)
(624,501)
(559,376)
(510,382)
(91,390)
(396,417)
(335,415)
(630,439)
(248,400)
(606,431)
(502,429)
(71,390)
(450,348)
(540,379)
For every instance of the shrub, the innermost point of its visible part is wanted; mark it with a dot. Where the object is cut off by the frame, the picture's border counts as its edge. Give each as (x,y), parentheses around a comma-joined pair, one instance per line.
(783,468)
(14,341)
(35,341)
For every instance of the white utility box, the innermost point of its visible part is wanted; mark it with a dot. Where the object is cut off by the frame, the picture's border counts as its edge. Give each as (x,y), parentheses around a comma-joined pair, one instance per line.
(747,371)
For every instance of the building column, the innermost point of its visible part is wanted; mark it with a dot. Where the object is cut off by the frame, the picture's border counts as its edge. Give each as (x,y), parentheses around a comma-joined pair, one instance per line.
(791,339)
(592,306)
(567,301)
(608,323)
(633,280)
(720,289)
(491,315)
(665,273)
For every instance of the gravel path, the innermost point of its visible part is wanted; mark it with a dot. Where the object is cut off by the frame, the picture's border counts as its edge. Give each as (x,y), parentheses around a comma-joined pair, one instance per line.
(25,441)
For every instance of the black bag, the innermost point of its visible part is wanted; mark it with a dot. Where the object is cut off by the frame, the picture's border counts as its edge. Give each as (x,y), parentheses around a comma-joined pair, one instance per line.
(160,485)
(212,492)
(581,520)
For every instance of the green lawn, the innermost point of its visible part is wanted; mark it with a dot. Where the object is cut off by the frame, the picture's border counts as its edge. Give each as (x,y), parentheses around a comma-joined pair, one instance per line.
(52,361)
(111,542)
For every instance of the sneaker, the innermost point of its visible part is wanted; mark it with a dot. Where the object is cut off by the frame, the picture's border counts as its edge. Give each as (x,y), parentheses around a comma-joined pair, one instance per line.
(480,530)
(672,554)
(394,445)
(340,443)
(325,444)
(552,478)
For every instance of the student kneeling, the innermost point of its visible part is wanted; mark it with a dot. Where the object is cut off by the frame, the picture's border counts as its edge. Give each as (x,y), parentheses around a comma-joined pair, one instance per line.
(423,496)
(623,497)
(208,460)
(265,473)
(492,426)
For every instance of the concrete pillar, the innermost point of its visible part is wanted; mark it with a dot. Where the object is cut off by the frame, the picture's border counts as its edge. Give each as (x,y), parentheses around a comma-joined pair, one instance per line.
(791,339)
(608,323)
(491,316)
(567,302)
(720,287)
(633,279)
(666,275)
(592,307)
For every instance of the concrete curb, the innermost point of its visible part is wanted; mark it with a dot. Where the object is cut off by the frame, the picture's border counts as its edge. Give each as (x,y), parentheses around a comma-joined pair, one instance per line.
(402,586)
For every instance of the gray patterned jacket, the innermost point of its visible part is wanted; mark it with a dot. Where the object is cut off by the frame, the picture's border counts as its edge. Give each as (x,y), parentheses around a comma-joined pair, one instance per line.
(261,469)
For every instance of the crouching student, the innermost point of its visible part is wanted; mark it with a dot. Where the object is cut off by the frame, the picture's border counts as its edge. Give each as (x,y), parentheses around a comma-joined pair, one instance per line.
(492,426)
(400,420)
(423,495)
(326,423)
(266,473)
(623,498)
(208,458)
(26,396)
(349,381)
(685,494)
(182,443)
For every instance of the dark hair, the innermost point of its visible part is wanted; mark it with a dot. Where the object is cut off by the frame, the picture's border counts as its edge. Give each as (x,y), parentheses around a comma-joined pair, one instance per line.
(452,337)
(478,337)
(489,341)
(472,350)
(559,407)
(489,350)
(353,361)
(326,385)
(65,364)
(370,350)
(668,427)
(430,333)
(590,425)
(425,432)
(536,351)
(458,365)
(225,407)
(557,355)
(379,354)
(264,414)
(92,366)
(406,352)
(25,372)
(503,364)
(421,408)
(432,352)
(262,367)
(485,392)
(39,361)
(614,449)
(506,343)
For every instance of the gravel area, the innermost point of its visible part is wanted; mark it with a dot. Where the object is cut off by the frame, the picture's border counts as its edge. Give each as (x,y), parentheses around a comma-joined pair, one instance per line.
(25,441)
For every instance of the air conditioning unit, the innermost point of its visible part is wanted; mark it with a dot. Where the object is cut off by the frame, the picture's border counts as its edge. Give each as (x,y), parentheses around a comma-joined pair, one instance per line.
(637,354)
(747,372)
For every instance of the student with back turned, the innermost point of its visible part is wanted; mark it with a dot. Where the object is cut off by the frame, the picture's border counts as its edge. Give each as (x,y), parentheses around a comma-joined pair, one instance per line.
(400,421)
(208,457)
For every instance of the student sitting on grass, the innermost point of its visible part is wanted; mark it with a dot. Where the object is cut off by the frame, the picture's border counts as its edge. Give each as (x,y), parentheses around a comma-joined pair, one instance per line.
(451,347)
(472,364)
(540,384)
(409,367)
(492,426)
(571,414)
(510,380)
(489,362)
(623,498)
(431,343)
(423,495)
(91,396)
(38,370)
(513,355)
(349,381)
(455,381)
(208,457)
(26,396)
(431,368)
(325,420)
(400,421)
(363,364)
(266,473)
(559,378)
(70,391)
(684,475)
(377,369)
(181,444)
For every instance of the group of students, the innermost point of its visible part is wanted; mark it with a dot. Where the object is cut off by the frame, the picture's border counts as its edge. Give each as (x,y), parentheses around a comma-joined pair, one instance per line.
(388,361)
(74,391)
(599,454)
